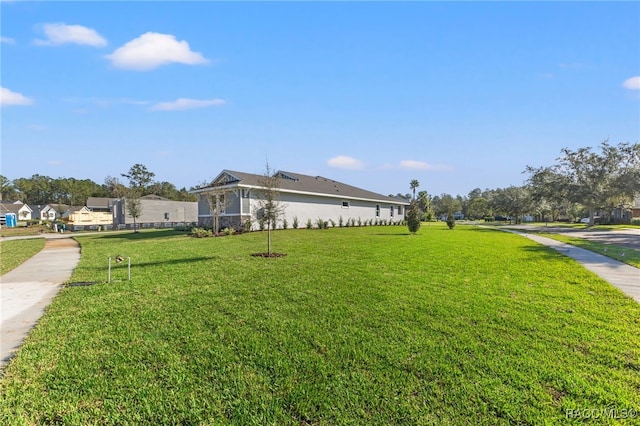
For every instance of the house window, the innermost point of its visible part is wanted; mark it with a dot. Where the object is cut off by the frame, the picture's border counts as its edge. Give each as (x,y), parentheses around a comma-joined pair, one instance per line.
(399,210)
(391,211)
(377,210)
(166,215)
(345,204)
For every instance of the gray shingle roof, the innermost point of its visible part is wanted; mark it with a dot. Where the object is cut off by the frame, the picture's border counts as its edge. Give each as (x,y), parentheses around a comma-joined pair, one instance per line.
(296,182)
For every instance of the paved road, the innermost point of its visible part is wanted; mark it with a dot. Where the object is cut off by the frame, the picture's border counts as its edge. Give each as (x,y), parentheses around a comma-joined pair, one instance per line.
(26,291)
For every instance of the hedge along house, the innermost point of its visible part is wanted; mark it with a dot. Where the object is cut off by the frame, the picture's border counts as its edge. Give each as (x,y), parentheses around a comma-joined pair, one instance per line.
(301,198)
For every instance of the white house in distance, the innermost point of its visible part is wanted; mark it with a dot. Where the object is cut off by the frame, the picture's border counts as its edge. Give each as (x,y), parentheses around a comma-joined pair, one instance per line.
(302,197)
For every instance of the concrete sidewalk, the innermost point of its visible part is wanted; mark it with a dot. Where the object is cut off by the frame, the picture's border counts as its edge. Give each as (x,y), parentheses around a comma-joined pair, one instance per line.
(27,290)
(623,276)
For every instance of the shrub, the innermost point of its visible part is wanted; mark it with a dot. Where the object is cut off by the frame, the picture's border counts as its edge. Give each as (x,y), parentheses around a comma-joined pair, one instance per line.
(309,223)
(200,233)
(285,224)
(332,222)
(340,221)
(228,231)
(635,221)
(359,221)
(295,222)
(247,225)
(451,221)
(413,218)
(262,224)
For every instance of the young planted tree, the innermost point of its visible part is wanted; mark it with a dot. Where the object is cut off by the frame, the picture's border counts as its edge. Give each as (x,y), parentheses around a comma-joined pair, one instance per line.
(269,206)
(134,207)
(217,202)
(413,217)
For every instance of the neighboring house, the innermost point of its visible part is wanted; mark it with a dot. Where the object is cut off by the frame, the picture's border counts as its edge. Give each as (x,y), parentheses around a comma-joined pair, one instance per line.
(21,210)
(48,212)
(301,197)
(635,210)
(156,212)
(83,216)
(100,204)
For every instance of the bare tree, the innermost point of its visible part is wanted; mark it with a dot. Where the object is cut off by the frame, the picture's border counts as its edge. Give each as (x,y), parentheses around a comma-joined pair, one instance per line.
(217,201)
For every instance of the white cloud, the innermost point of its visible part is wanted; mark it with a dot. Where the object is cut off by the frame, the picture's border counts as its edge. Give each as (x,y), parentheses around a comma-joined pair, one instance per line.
(344,162)
(58,34)
(421,165)
(7,97)
(632,83)
(7,40)
(151,50)
(183,103)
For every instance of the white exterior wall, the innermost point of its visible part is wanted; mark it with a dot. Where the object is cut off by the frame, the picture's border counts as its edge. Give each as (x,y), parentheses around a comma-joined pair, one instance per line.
(315,207)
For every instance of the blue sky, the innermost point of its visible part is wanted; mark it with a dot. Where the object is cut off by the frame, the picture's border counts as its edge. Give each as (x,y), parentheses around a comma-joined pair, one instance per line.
(373,94)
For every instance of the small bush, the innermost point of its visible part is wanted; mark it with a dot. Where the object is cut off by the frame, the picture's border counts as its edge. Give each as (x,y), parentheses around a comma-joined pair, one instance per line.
(635,221)
(295,222)
(285,224)
(340,222)
(200,233)
(247,225)
(332,222)
(359,221)
(228,231)
(321,224)
(309,223)
(451,221)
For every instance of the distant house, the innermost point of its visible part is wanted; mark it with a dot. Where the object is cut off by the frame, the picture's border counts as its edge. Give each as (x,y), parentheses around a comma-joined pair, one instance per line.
(100,204)
(302,197)
(635,210)
(156,212)
(18,208)
(48,212)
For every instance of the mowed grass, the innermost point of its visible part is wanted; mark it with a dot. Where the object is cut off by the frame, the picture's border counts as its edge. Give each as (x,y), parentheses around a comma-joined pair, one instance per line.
(623,254)
(354,326)
(15,252)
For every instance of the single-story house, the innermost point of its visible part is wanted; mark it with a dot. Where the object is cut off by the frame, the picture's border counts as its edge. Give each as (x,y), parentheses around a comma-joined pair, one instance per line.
(21,210)
(156,212)
(301,197)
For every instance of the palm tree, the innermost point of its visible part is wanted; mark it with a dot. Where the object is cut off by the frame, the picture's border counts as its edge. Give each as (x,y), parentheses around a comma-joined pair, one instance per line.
(413,185)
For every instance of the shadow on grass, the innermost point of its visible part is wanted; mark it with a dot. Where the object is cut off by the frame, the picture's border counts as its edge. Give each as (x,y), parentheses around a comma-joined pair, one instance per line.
(155,263)
(143,235)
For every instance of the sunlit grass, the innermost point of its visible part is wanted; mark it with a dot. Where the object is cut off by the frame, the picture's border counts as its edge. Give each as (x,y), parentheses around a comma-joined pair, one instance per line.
(354,326)
(623,254)
(15,252)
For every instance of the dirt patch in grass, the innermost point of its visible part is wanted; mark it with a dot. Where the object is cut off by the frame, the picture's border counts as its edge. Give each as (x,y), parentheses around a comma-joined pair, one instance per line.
(268,254)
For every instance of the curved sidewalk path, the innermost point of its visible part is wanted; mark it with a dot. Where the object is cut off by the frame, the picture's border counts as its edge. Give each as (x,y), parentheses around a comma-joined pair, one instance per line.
(26,290)
(623,276)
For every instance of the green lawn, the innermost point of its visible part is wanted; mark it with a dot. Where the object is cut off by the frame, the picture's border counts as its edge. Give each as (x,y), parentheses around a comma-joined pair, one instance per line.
(15,252)
(623,254)
(354,326)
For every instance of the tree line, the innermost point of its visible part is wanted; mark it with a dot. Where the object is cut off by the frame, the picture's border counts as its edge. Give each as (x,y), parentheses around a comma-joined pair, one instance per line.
(579,184)
(39,189)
